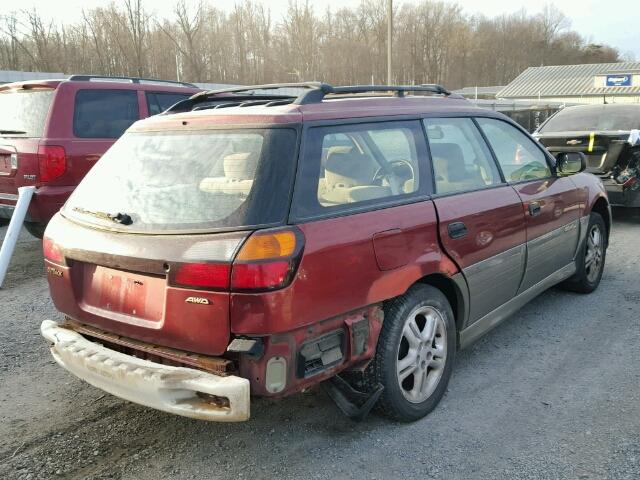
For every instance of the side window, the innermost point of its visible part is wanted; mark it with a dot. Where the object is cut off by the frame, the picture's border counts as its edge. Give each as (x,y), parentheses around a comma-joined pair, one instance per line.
(158,102)
(460,157)
(517,154)
(358,164)
(104,113)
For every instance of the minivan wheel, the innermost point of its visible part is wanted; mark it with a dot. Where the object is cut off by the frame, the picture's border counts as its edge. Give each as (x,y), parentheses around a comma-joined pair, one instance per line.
(35,229)
(415,353)
(591,258)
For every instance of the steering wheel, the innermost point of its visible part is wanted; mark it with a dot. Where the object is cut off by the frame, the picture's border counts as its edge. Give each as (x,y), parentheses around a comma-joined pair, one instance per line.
(395,180)
(527,172)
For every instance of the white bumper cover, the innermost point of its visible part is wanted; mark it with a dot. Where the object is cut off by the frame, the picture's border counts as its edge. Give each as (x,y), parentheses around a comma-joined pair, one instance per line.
(166,388)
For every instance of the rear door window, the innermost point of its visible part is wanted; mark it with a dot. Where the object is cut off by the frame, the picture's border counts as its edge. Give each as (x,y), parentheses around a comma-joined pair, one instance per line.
(104,113)
(158,102)
(346,166)
(518,155)
(461,160)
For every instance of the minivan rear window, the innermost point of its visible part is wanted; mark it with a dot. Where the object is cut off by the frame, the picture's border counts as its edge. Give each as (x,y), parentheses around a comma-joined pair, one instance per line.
(24,112)
(185,181)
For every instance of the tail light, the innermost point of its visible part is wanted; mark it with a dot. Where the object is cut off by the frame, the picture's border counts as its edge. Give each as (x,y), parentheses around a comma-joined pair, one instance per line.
(631,181)
(52,251)
(267,261)
(202,275)
(52,161)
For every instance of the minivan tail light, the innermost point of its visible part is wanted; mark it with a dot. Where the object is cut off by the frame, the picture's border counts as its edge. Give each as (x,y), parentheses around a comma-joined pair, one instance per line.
(52,251)
(267,261)
(52,161)
(202,275)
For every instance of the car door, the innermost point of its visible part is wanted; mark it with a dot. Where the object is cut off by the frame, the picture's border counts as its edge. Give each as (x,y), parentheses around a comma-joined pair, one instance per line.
(551,203)
(100,117)
(481,220)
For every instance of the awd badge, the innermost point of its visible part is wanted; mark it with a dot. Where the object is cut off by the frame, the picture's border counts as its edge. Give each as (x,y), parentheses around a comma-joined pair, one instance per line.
(198,300)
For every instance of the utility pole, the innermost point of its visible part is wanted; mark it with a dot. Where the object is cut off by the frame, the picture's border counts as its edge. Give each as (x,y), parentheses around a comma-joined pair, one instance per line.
(389,40)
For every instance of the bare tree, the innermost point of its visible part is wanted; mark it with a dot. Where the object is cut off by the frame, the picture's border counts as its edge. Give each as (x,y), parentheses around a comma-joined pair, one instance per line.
(435,41)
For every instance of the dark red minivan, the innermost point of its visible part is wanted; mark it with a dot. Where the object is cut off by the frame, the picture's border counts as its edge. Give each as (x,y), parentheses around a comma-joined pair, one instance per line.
(258,243)
(53,131)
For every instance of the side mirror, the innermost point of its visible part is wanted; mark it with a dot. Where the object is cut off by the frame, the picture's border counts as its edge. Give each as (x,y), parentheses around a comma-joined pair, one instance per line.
(569,163)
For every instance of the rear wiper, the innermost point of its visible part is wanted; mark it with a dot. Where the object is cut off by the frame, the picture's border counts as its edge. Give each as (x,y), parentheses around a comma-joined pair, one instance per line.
(9,131)
(122,218)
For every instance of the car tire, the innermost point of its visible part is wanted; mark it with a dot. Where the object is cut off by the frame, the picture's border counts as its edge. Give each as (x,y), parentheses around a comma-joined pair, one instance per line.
(4,221)
(591,258)
(35,229)
(413,366)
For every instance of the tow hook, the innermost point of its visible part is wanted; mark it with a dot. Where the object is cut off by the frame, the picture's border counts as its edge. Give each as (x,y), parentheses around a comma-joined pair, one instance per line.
(354,404)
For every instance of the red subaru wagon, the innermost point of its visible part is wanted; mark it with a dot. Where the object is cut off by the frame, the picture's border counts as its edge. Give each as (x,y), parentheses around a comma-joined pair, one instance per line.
(258,243)
(53,131)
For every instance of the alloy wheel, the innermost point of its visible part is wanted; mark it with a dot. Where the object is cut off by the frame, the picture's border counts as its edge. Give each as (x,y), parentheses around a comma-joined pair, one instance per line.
(593,255)
(422,353)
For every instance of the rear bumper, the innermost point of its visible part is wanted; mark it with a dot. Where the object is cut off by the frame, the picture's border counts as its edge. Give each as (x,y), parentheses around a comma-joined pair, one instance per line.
(7,204)
(621,197)
(170,389)
(44,205)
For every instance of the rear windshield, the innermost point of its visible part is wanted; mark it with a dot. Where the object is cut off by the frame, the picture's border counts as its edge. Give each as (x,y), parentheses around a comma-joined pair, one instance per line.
(186,181)
(594,118)
(24,112)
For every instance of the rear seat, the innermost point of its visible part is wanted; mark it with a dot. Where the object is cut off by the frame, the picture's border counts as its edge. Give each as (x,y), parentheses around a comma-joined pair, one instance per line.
(239,172)
(450,169)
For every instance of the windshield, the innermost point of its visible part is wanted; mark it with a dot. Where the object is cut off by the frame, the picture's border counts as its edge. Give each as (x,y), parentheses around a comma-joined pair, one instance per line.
(594,118)
(198,180)
(24,112)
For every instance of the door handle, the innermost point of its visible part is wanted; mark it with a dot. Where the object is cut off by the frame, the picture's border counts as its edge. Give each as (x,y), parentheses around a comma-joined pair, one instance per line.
(457,229)
(535,209)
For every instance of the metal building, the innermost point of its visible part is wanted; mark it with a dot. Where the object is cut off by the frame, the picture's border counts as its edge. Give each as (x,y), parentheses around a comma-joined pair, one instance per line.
(9,76)
(590,83)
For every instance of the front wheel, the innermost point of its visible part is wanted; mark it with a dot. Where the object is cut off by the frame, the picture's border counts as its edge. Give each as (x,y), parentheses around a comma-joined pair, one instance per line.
(415,353)
(591,258)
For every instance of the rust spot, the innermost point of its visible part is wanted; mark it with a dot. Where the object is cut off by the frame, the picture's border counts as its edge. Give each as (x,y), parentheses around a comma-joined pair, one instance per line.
(214,401)
(154,353)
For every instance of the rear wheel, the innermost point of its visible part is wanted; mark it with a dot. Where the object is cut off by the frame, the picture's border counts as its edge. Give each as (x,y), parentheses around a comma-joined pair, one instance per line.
(591,258)
(4,221)
(415,353)
(35,229)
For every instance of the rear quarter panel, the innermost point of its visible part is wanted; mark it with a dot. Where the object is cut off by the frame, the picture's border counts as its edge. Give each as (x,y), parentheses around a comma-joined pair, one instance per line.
(339,271)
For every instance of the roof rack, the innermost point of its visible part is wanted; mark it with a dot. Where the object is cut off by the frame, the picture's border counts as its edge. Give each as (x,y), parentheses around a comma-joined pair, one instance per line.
(312,92)
(138,80)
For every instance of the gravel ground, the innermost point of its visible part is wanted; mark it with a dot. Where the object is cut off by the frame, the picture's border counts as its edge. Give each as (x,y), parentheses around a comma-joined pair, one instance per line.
(552,393)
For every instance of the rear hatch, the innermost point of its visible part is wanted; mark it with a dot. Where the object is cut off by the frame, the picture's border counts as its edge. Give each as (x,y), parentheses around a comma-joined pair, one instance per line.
(601,149)
(598,131)
(147,239)
(24,109)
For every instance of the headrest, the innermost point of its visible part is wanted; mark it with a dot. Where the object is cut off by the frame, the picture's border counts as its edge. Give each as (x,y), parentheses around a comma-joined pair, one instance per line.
(241,166)
(347,169)
(451,154)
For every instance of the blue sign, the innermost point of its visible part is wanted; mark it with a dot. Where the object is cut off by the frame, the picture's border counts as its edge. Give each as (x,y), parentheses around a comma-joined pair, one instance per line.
(619,80)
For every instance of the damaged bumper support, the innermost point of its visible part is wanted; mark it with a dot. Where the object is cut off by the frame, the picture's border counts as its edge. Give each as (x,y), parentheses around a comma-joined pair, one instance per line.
(178,390)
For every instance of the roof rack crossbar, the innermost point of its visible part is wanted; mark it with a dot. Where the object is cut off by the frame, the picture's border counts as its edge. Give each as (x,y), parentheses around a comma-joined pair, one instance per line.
(140,80)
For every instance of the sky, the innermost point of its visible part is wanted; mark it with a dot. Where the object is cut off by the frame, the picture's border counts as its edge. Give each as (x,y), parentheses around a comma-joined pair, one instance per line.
(615,24)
